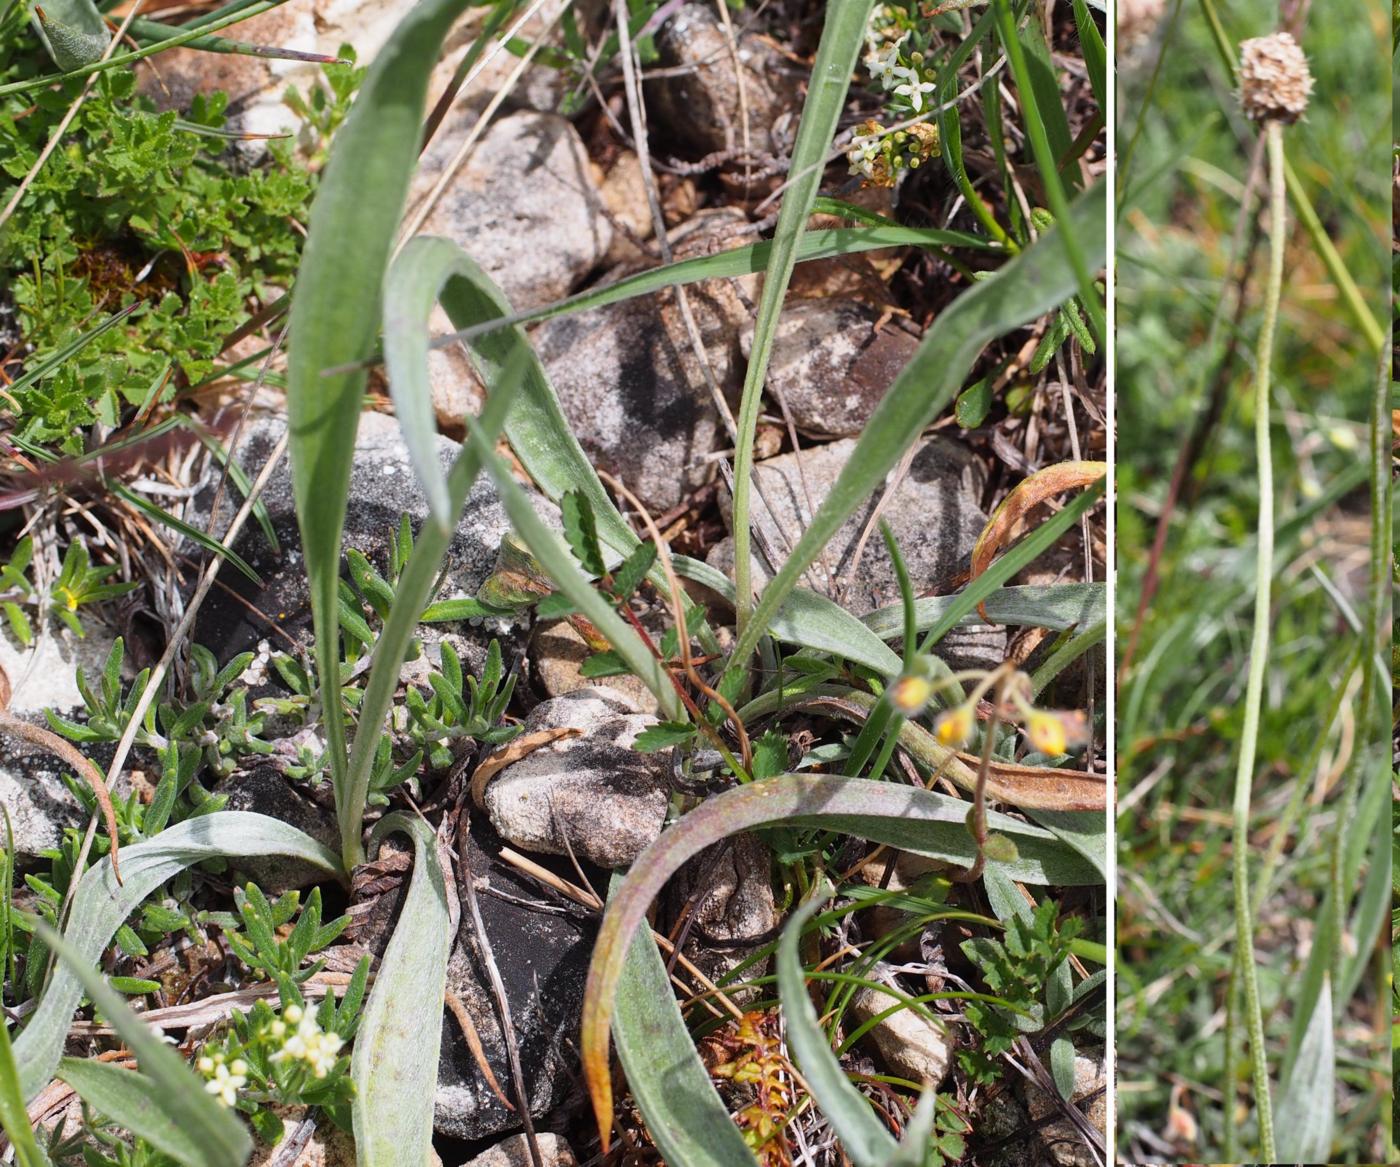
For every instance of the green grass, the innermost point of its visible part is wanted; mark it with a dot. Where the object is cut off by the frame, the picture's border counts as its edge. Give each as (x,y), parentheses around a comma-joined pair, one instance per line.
(1181,702)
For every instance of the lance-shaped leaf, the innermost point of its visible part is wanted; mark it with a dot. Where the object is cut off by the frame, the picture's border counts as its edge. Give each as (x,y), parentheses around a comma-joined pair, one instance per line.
(101,904)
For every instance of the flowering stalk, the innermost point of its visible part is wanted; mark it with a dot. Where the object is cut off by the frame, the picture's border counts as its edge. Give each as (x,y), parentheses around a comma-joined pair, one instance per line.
(1275,84)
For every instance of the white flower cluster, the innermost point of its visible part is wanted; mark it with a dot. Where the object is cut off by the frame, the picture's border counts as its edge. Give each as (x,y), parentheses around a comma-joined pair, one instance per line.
(308,1042)
(226,1078)
(884,58)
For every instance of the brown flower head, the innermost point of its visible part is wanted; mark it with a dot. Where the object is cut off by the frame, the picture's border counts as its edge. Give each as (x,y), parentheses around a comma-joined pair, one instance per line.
(1274,78)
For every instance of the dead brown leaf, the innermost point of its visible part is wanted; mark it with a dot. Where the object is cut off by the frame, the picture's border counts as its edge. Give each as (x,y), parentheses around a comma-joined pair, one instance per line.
(1027,495)
(513,751)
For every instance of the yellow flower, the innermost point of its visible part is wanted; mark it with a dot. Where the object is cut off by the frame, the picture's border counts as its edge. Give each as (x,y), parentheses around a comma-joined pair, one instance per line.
(910,694)
(955,726)
(1046,733)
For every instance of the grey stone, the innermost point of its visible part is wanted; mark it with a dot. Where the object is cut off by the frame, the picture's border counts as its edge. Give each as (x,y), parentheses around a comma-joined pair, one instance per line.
(606,799)
(628,379)
(515,1152)
(524,205)
(729,888)
(910,1043)
(44,677)
(383,488)
(695,102)
(933,513)
(266,790)
(558,651)
(831,366)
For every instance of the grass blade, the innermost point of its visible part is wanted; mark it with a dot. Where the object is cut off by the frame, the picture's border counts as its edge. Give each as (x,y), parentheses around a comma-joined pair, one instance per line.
(842,37)
(407,347)
(395,1061)
(751,259)
(101,904)
(213,1134)
(909,818)
(335,315)
(1030,285)
(863,1136)
(671,1086)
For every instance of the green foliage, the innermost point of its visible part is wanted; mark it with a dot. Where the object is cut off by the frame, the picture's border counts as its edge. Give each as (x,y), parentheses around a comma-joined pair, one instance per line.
(461,707)
(289,1056)
(78,585)
(1016,971)
(136,208)
(259,944)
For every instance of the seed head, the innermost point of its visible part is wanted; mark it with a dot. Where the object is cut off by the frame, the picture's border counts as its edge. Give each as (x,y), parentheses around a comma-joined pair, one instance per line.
(1274,78)
(1137,21)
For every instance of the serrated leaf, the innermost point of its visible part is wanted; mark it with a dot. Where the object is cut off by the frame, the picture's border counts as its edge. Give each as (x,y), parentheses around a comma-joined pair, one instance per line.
(663,736)
(581,531)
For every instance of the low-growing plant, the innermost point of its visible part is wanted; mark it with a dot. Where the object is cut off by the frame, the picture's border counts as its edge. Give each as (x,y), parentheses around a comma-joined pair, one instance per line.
(346,297)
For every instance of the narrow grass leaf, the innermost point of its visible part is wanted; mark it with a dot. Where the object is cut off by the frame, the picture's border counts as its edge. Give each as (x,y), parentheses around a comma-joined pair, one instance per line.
(395,1061)
(101,904)
(909,818)
(751,259)
(863,1136)
(213,1136)
(336,308)
(684,1115)
(841,41)
(1046,87)
(1307,1099)
(1031,284)
(434,264)
(1009,564)
(1092,46)
(142,1106)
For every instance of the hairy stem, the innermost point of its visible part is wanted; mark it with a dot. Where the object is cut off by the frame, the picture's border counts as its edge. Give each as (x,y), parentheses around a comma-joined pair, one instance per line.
(1259,650)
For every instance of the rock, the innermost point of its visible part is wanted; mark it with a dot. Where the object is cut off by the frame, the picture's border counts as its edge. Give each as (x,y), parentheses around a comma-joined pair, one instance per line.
(266,790)
(457,392)
(43,677)
(383,489)
(256,86)
(628,379)
(558,653)
(607,799)
(695,103)
(730,887)
(515,1152)
(524,204)
(1060,1140)
(912,1045)
(624,194)
(933,513)
(542,955)
(831,366)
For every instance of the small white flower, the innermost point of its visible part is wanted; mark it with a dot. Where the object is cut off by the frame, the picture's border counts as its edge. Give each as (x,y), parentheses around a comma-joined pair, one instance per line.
(886,69)
(914,89)
(227,1081)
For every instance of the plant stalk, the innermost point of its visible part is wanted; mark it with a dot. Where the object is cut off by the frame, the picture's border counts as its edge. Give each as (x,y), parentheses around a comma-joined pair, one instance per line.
(1259,648)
